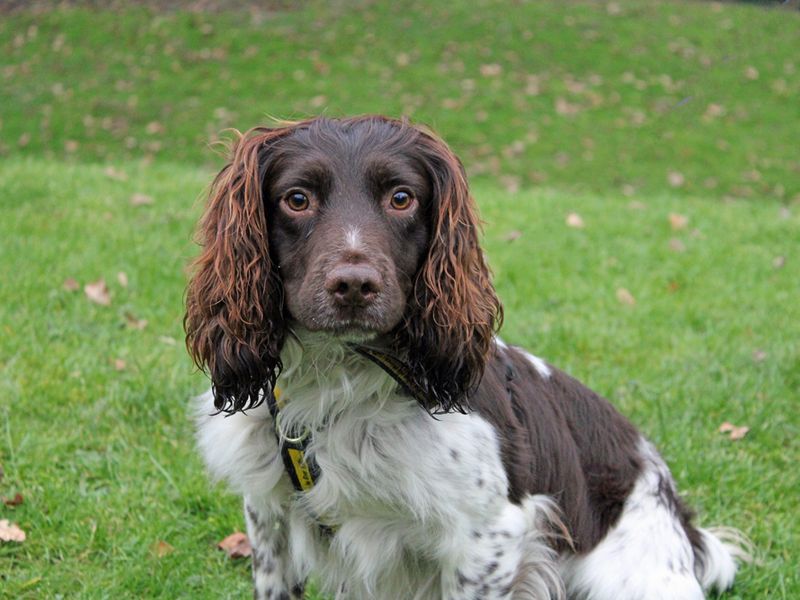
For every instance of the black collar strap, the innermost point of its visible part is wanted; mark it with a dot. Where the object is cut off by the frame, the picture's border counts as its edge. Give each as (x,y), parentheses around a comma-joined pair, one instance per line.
(396,369)
(303,470)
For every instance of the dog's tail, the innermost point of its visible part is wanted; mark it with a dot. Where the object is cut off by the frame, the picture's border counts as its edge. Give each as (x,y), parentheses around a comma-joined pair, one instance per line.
(717,556)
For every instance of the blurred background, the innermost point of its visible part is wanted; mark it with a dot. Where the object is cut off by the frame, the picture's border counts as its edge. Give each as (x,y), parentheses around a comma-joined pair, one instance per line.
(636,165)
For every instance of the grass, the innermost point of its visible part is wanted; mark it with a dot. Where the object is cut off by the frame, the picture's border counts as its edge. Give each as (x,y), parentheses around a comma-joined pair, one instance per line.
(94,429)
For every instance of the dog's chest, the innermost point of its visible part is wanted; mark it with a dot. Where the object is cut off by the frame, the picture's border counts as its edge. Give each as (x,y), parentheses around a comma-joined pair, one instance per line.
(386,459)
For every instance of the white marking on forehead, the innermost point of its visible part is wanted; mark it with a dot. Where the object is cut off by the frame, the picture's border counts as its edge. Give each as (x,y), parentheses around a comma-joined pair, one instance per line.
(353,238)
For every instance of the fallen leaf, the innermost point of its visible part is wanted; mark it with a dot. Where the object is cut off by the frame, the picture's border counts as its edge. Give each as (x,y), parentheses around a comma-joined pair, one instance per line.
(134,322)
(119,364)
(71,285)
(154,127)
(115,173)
(9,532)
(759,355)
(161,549)
(141,199)
(734,432)
(512,235)
(98,292)
(676,178)
(625,297)
(575,220)
(778,262)
(491,70)
(751,73)
(169,341)
(122,278)
(15,501)
(678,221)
(236,545)
(677,245)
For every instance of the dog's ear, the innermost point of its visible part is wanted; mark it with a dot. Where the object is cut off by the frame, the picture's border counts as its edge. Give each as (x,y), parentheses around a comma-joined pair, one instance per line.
(455,310)
(234,302)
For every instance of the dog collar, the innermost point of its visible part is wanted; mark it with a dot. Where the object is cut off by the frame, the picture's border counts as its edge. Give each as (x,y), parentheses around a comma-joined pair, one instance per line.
(301,467)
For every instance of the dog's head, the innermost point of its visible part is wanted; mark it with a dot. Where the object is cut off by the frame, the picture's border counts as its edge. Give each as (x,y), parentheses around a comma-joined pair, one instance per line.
(362,228)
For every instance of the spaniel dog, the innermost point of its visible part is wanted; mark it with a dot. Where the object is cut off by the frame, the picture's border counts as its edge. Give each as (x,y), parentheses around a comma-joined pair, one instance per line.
(387,443)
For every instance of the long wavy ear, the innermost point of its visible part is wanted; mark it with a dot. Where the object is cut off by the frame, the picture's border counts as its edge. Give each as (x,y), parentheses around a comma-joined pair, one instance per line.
(455,310)
(234,302)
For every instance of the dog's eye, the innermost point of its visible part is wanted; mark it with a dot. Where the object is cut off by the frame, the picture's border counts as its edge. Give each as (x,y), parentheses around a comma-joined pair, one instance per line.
(297,202)
(401,200)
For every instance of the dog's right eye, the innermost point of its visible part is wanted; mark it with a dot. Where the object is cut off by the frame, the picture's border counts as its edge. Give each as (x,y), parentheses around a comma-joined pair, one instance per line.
(297,202)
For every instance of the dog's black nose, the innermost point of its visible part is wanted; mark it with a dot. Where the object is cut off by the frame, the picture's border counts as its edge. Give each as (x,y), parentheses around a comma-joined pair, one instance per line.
(353,285)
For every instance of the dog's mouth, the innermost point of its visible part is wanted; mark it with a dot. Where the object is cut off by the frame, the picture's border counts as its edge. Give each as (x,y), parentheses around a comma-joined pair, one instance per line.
(347,328)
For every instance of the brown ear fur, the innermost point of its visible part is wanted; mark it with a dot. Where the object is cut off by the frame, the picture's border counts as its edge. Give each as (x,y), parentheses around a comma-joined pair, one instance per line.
(450,328)
(234,303)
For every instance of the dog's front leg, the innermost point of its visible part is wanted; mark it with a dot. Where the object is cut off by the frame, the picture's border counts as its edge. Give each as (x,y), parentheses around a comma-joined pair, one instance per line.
(273,573)
(507,558)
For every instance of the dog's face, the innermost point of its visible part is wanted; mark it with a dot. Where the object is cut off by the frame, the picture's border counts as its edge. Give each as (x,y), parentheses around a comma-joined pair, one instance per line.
(349,215)
(359,228)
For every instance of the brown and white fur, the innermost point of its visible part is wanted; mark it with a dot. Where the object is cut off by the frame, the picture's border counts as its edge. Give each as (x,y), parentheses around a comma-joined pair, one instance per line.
(508,480)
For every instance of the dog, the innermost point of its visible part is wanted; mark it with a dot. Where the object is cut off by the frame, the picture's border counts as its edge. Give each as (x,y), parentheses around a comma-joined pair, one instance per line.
(386,442)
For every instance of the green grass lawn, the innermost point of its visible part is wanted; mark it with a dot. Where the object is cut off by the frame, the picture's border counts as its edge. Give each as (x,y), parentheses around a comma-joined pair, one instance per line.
(622,113)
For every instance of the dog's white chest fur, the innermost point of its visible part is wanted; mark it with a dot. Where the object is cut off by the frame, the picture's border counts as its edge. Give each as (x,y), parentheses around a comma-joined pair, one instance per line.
(403,491)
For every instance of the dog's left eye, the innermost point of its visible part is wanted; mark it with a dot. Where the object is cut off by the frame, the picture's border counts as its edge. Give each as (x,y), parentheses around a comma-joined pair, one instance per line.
(297,202)
(401,200)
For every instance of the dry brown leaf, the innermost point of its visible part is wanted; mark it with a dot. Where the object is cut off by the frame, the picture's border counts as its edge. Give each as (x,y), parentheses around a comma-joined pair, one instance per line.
(575,220)
(154,127)
(123,279)
(491,70)
(71,285)
(10,532)
(15,501)
(119,364)
(236,545)
(625,297)
(678,221)
(676,178)
(98,292)
(739,432)
(161,549)
(116,174)
(139,199)
(169,341)
(778,262)
(512,235)
(759,355)
(677,245)
(734,432)
(134,322)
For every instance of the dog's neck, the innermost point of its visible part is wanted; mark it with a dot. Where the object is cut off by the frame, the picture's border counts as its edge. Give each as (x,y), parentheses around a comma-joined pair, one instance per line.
(323,378)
